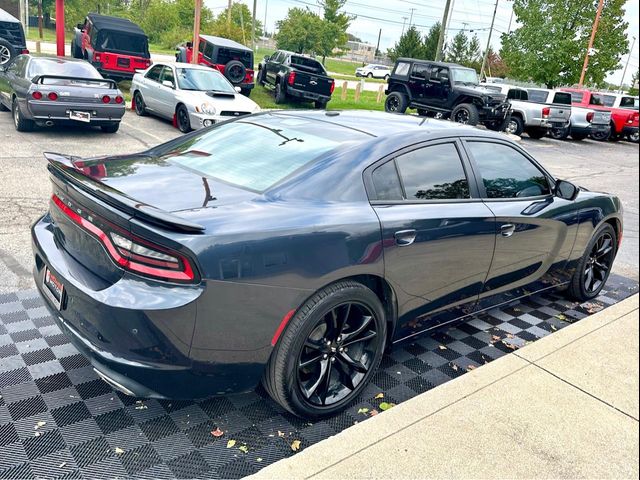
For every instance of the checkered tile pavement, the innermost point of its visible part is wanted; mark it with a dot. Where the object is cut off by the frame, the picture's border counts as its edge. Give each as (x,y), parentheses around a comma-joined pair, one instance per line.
(58,420)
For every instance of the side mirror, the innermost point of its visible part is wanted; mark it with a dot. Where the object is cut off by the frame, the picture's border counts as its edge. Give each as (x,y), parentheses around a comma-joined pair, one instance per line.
(267,58)
(167,83)
(238,89)
(566,190)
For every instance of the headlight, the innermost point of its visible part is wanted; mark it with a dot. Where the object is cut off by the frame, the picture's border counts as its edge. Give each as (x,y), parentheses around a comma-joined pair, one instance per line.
(206,108)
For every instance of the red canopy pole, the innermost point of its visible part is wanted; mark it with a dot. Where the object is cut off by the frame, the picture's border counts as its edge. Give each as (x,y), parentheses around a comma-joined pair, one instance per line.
(60,27)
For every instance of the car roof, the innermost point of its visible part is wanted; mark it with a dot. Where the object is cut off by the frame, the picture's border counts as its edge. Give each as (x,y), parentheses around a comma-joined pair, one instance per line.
(431,62)
(105,22)
(7,17)
(224,42)
(187,65)
(53,58)
(376,123)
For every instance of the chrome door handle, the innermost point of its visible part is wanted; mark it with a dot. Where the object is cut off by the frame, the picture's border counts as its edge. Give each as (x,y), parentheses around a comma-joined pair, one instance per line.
(508,229)
(404,238)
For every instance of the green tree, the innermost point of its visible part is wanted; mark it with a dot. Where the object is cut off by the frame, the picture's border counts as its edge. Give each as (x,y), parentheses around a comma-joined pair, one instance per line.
(409,45)
(240,28)
(634,84)
(299,31)
(431,41)
(334,29)
(458,49)
(551,44)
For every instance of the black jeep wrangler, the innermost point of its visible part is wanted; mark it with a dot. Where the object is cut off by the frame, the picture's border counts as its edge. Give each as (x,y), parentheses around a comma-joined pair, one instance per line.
(12,41)
(444,89)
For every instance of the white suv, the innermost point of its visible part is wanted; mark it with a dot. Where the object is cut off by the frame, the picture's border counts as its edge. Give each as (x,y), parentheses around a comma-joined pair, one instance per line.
(373,71)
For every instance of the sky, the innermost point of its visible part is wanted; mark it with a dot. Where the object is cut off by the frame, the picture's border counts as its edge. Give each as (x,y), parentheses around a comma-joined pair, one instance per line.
(390,15)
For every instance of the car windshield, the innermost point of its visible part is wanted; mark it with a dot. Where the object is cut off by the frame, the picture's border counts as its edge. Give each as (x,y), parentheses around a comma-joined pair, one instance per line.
(58,67)
(465,76)
(286,144)
(203,80)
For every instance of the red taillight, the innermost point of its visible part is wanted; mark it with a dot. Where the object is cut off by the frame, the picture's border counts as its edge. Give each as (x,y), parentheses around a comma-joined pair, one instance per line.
(37,95)
(132,253)
(333,86)
(25,51)
(106,99)
(590,117)
(292,78)
(546,111)
(97,56)
(53,96)
(632,117)
(119,99)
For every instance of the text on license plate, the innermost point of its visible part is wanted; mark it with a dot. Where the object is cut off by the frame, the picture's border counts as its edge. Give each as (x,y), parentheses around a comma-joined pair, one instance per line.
(54,287)
(80,116)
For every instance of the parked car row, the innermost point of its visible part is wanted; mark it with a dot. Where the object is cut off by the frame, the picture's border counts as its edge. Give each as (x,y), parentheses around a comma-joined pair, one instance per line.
(452,91)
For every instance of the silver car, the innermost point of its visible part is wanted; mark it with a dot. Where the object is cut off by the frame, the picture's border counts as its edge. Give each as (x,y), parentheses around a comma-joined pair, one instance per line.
(192,96)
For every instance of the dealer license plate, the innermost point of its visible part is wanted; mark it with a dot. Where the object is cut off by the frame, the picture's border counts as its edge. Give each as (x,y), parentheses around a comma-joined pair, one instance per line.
(80,116)
(53,288)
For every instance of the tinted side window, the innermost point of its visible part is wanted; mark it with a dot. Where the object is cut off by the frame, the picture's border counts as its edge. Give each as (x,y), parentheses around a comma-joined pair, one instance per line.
(154,73)
(167,74)
(386,182)
(433,173)
(507,173)
(538,96)
(419,70)
(208,50)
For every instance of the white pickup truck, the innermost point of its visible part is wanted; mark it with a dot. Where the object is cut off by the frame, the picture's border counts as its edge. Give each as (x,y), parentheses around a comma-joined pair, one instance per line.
(536,119)
(583,122)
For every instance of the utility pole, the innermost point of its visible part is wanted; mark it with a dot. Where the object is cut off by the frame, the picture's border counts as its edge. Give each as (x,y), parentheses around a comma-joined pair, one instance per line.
(411,17)
(40,19)
(404,20)
(510,20)
(446,30)
(266,7)
(229,16)
(253,26)
(195,51)
(443,27)
(590,47)
(633,44)
(486,51)
(378,46)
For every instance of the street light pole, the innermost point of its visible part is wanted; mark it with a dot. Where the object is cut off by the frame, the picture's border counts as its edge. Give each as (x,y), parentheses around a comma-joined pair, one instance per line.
(253,26)
(486,51)
(593,36)
(404,21)
(195,52)
(443,26)
(633,44)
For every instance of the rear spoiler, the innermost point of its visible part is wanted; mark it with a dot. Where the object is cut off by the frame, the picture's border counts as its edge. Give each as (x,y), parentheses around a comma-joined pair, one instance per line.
(64,165)
(39,79)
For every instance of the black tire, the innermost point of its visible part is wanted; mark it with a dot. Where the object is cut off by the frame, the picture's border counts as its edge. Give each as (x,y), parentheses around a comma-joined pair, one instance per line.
(182,119)
(633,137)
(515,125)
(110,128)
(369,75)
(235,71)
(320,104)
(76,51)
(21,123)
(578,136)
(261,77)
(466,113)
(7,52)
(559,133)
(605,237)
(537,133)
(291,380)
(499,126)
(245,91)
(280,94)
(3,108)
(138,102)
(602,136)
(396,102)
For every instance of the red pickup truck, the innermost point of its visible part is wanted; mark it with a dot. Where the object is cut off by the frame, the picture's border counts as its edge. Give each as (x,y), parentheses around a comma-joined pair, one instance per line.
(624,121)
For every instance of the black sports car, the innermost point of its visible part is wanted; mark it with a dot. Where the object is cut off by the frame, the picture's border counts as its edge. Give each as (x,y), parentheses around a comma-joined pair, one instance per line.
(45,91)
(293,247)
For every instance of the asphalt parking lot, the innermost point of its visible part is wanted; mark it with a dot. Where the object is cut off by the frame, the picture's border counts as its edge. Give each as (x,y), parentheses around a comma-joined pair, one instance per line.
(25,189)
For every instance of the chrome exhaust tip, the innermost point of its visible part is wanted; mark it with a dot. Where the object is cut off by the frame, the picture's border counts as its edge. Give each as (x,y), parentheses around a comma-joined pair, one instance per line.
(49,123)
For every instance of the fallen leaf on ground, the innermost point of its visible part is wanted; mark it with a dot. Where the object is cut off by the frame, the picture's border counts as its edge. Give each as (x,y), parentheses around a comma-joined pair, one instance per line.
(259,459)
(510,336)
(280,434)
(295,445)
(373,413)
(119,451)
(39,424)
(454,366)
(561,316)
(243,449)
(37,434)
(141,407)
(496,338)
(62,465)
(363,410)
(386,406)
(471,367)
(380,395)
(442,347)
(217,432)
(554,328)
(509,345)
(231,443)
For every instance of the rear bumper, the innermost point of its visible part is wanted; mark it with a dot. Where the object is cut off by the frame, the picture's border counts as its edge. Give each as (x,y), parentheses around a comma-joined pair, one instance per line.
(137,333)
(304,95)
(603,128)
(41,111)
(493,113)
(117,75)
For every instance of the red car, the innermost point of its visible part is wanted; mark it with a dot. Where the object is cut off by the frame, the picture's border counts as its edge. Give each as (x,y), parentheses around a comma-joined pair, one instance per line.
(232,59)
(116,46)
(624,121)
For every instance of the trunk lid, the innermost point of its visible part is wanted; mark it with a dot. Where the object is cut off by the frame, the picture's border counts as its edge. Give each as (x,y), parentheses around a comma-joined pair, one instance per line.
(311,82)
(601,117)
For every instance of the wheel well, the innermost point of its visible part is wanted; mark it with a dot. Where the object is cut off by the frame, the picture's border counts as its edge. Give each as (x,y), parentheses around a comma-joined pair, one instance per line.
(472,100)
(400,89)
(617,226)
(517,114)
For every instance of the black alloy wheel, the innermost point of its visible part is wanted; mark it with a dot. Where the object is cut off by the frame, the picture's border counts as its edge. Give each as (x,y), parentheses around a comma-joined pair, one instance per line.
(594,267)
(182,119)
(328,352)
(466,113)
(396,102)
(337,354)
(235,71)
(138,101)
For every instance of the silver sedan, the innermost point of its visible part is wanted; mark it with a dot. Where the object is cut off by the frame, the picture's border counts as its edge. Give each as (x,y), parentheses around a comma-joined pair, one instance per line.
(192,96)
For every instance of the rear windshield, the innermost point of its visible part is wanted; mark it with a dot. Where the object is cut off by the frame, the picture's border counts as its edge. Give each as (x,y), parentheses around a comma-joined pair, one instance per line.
(538,96)
(307,64)
(562,98)
(225,55)
(283,145)
(576,97)
(602,100)
(120,42)
(54,66)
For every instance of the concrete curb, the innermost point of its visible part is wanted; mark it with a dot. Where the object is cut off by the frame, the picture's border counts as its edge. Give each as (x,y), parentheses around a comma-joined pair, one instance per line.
(323,456)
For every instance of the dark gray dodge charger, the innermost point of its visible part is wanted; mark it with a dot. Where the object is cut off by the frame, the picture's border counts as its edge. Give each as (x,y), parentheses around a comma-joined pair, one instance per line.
(293,247)
(48,91)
